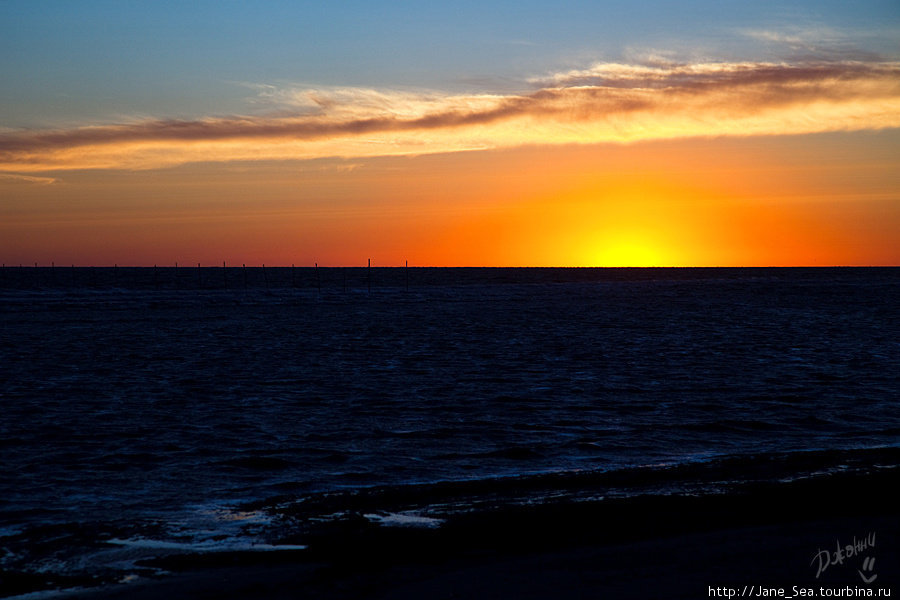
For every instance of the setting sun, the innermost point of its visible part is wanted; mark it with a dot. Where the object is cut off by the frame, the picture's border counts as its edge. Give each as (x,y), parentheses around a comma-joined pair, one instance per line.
(630,251)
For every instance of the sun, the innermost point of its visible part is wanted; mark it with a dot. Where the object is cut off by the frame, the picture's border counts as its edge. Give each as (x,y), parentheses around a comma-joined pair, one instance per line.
(629,250)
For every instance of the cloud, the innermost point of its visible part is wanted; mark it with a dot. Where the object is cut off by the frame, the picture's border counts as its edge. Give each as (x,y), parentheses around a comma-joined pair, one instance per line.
(674,76)
(805,44)
(799,36)
(606,102)
(27,179)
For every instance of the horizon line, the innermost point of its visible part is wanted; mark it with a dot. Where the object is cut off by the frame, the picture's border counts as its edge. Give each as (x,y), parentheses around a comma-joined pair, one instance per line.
(177,265)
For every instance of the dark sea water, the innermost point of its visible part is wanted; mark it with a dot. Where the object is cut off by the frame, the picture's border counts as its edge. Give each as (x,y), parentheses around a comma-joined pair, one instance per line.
(153,410)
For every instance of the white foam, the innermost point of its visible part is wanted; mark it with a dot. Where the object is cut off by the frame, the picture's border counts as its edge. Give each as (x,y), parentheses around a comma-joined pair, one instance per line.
(404,519)
(42,594)
(228,545)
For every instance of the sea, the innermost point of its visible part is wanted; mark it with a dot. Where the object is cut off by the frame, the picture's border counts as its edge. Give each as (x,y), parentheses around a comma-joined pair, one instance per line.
(146,411)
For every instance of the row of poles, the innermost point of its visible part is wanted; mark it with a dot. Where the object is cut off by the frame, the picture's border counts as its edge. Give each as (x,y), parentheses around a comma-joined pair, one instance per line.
(225,282)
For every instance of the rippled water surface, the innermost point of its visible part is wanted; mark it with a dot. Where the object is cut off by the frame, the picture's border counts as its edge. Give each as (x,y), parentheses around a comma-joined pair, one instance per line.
(134,397)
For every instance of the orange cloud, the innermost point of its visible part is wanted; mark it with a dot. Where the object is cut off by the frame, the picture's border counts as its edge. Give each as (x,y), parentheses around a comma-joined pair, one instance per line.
(26,179)
(605,103)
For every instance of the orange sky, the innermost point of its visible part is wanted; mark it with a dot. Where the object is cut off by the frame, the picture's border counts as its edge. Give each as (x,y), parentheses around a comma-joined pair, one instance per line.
(815,199)
(490,133)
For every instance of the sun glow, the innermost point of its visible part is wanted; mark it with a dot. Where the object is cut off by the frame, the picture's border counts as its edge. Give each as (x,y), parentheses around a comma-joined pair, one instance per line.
(630,250)
(628,221)
(667,204)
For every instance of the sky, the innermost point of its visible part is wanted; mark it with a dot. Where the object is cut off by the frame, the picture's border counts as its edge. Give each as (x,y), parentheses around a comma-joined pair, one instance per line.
(706,133)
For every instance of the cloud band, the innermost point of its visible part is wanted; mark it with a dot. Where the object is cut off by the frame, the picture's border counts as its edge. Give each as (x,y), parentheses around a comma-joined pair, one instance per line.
(605,103)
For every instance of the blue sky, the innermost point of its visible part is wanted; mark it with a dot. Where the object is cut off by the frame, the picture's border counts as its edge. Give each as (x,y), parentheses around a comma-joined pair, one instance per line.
(70,63)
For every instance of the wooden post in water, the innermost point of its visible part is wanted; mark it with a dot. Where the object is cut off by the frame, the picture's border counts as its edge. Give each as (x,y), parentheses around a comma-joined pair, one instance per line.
(155,279)
(244,270)
(224,276)
(265,276)
(293,279)
(175,276)
(199,277)
(318,281)
(406,270)
(369,277)
(116,274)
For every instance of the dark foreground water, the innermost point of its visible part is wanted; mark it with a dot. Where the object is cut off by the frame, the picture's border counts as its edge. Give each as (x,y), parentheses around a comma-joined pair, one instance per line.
(145,411)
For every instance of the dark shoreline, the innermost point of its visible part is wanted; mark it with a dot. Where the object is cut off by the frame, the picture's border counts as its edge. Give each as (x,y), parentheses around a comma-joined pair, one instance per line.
(642,547)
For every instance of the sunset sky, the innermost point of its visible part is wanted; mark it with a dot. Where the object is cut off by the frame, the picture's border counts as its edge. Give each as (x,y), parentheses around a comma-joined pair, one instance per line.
(706,133)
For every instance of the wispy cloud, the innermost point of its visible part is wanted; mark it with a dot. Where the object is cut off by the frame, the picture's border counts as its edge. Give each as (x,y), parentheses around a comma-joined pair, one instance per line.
(606,102)
(27,179)
(714,76)
(799,36)
(820,42)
